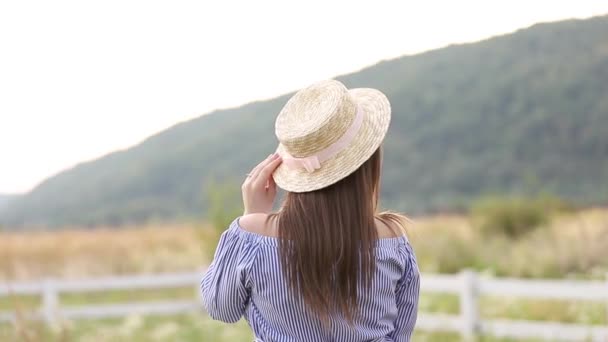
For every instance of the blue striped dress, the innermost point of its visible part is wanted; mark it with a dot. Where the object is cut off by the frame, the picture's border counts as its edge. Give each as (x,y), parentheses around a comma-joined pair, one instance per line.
(244,279)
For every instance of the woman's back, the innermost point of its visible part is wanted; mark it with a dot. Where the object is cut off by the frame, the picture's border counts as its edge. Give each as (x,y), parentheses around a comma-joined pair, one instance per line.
(244,281)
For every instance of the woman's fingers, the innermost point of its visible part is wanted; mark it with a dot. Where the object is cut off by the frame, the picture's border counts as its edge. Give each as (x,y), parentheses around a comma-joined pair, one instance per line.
(259,189)
(265,173)
(271,186)
(258,169)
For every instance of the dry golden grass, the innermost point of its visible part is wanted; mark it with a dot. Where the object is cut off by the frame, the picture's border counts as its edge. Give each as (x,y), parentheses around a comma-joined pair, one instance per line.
(79,252)
(571,245)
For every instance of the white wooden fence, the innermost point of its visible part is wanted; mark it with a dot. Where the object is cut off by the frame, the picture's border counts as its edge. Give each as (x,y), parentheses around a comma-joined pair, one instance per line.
(467,285)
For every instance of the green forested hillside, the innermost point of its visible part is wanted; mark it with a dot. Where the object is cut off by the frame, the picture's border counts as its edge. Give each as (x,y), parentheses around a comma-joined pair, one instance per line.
(4,199)
(515,114)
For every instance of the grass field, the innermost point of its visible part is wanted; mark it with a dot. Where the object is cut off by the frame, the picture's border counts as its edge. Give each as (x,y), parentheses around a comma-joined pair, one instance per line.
(77,253)
(571,245)
(191,327)
(200,328)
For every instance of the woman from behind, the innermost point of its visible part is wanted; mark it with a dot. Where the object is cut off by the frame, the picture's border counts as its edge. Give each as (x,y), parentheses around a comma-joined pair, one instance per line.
(327,266)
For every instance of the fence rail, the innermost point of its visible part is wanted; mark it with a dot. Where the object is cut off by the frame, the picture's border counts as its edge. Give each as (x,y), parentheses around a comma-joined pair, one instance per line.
(467,285)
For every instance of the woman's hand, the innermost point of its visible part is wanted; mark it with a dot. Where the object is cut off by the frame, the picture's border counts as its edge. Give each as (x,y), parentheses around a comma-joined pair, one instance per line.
(259,188)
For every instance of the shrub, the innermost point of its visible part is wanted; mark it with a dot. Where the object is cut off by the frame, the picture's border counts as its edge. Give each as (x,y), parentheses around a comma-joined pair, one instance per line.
(512,217)
(224,205)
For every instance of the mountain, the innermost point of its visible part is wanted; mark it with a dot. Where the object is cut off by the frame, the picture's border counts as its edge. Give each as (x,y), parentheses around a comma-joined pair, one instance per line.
(5,199)
(515,114)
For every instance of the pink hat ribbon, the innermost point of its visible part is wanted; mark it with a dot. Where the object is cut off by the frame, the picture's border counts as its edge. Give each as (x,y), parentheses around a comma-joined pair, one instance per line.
(312,163)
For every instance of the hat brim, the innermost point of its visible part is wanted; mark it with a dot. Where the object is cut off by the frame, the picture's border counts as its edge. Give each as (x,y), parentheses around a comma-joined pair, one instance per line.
(377,115)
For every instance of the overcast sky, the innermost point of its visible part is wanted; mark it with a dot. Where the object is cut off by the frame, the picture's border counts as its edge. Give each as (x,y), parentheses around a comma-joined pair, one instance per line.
(79,79)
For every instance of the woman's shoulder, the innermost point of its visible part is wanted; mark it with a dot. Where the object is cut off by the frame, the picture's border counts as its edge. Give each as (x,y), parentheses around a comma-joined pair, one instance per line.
(258,223)
(389,228)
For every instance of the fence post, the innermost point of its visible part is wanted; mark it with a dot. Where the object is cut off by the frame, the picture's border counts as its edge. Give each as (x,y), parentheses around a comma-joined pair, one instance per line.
(50,301)
(468,305)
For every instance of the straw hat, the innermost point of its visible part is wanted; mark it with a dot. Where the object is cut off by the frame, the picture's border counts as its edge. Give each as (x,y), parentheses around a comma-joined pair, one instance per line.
(326,132)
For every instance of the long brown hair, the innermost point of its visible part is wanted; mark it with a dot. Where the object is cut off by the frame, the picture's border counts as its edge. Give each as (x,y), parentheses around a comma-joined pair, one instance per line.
(327,239)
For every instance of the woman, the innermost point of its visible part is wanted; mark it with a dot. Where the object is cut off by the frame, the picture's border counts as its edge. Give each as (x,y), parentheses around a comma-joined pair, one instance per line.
(326,266)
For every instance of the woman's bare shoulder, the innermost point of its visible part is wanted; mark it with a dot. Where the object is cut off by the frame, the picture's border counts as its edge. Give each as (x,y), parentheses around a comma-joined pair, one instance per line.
(389,229)
(257,223)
